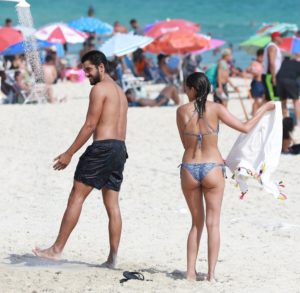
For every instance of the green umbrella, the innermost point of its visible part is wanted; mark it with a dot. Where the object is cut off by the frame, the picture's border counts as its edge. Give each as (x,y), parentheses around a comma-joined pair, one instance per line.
(254,43)
(262,37)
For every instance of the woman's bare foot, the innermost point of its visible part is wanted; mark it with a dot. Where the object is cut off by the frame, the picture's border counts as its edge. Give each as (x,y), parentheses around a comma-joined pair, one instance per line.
(48,253)
(211,278)
(191,276)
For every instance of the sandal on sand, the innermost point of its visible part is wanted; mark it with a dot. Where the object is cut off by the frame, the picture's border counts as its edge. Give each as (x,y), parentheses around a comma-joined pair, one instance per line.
(132,276)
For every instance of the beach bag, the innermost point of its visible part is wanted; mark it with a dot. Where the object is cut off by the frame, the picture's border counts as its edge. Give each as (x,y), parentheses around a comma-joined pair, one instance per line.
(211,74)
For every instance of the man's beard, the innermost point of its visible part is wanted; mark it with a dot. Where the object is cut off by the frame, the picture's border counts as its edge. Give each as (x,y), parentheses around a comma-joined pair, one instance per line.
(96,79)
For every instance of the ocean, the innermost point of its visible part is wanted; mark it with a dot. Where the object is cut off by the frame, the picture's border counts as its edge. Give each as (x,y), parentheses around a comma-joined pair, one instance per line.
(230,20)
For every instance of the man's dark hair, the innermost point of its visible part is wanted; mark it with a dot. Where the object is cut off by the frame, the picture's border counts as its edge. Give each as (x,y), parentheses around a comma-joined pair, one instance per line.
(8,20)
(132,21)
(260,52)
(96,58)
(161,57)
(49,58)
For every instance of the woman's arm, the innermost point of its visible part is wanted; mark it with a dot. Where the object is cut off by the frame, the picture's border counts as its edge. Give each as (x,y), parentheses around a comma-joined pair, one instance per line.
(180,123)
(233,122)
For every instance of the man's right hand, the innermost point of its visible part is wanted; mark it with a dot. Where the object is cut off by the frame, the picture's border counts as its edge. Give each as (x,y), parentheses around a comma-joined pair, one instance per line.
(62,161)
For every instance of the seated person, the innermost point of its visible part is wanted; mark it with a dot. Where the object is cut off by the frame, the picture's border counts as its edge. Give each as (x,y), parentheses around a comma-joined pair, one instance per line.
(165,73)
(141,64)
(167,94)
(8,89)
(50,72)
(20,83)
(288,144)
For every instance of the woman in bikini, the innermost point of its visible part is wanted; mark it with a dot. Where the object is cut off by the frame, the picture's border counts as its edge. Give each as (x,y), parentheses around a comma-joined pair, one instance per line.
(202,168)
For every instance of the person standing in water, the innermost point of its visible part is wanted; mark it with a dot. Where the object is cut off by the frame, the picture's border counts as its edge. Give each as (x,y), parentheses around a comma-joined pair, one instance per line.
(202,168)
(101,165)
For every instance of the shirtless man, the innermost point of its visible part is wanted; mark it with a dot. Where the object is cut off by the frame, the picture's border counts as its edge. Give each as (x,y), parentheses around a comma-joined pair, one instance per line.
(221,94)
(101,165)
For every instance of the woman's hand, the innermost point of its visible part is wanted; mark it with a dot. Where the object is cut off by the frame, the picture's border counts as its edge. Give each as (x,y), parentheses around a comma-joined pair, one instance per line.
(270,106)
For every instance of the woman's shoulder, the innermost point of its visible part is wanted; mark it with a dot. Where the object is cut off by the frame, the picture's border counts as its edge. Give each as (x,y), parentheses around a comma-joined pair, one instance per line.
(185,107)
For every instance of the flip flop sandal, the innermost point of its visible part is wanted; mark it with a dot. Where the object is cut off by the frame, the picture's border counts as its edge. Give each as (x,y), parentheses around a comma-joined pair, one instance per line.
(132,276)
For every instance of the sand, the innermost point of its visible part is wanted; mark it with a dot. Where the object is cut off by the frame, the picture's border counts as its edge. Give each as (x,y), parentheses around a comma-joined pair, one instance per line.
(259,235)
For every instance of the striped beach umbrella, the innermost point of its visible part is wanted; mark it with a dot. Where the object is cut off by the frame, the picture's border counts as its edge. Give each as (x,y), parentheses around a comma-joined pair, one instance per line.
(60,33)
(290,45)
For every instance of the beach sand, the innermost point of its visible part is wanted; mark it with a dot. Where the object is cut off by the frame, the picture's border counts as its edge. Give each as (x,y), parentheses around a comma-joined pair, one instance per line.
(259,235)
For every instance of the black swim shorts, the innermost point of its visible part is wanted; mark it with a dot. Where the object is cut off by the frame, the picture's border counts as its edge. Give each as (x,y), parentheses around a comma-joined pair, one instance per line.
(102,164)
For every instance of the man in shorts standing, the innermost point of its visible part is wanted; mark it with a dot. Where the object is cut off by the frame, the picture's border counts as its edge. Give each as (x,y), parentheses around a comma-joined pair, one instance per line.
(101,165)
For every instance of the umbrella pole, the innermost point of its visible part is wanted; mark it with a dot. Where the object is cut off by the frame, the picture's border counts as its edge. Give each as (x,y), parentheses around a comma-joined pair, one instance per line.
(243,107)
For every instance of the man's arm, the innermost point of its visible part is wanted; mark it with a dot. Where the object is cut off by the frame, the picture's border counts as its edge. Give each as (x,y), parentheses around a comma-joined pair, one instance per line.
(272,57)
(93,115)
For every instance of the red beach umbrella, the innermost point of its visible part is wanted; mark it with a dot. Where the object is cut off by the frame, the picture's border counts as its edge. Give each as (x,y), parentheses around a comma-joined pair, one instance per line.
(178,42)
(9,37)
(172,25)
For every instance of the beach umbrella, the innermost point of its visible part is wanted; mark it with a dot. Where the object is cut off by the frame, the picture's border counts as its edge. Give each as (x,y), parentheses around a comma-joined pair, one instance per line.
(60,33)
(19,48)
(123,44)
(9,36)
(172,25)
(213,44)
(290,45)
(92,25)
(178,42)
(283,28)
(254,43)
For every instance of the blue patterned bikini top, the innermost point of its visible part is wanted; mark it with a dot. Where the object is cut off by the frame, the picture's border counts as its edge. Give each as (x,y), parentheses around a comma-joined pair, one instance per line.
(200,135)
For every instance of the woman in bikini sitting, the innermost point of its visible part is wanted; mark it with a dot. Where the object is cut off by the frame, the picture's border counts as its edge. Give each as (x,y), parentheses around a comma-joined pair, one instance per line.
(202,168)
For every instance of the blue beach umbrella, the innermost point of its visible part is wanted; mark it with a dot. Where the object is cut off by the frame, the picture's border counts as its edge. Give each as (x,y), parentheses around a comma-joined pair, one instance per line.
(19,48)
(123,44)
(92,25)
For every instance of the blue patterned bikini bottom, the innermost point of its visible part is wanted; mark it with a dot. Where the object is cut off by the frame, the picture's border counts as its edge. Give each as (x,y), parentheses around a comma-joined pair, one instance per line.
(199,171)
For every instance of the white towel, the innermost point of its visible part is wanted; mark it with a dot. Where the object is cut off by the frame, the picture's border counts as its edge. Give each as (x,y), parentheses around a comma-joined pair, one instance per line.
(256,154)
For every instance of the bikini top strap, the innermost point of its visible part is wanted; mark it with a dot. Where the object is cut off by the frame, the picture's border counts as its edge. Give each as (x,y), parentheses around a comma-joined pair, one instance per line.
(195,112)
(211,129)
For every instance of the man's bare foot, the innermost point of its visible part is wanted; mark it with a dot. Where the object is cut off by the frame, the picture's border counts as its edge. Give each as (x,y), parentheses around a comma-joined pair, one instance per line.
(111,262)
(48,253)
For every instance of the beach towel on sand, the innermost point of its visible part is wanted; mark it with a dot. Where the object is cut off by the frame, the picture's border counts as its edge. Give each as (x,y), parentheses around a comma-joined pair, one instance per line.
(256,154)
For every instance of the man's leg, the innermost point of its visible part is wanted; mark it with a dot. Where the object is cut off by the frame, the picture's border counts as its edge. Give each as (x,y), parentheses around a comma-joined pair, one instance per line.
(285,112)
(77,196)
(111,203)
(296,103)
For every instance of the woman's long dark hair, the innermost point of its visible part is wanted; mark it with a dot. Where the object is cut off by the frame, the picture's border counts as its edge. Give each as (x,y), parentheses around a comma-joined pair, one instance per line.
(201,84)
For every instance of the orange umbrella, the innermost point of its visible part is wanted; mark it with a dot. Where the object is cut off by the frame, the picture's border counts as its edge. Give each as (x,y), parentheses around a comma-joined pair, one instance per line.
(8,37)
(171,25)
(178,42)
